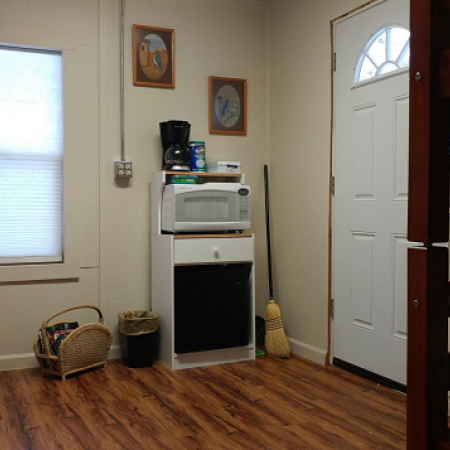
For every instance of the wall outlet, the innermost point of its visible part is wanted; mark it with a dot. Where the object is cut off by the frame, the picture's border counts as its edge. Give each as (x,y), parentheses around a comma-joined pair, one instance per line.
(123,169)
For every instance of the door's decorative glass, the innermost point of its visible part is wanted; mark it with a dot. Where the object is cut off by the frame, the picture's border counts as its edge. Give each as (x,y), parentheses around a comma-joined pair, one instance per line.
(387,51)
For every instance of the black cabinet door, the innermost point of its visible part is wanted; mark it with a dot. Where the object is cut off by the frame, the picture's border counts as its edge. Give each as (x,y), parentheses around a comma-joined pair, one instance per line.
(212,307)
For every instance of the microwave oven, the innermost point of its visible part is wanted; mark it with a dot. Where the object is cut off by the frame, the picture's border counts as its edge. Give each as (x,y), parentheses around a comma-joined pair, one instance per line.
(208,207)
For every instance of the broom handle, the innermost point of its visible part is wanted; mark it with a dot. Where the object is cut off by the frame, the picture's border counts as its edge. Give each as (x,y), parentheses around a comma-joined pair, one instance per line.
(269,253)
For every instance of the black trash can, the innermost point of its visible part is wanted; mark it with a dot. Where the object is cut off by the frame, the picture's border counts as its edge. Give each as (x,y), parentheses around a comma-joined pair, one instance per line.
(138,328)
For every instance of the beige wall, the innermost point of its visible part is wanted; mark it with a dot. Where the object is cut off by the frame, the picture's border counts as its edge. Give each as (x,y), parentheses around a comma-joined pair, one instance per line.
(300,117)
(73,28)
(209,37)
(109,222)
(284,49)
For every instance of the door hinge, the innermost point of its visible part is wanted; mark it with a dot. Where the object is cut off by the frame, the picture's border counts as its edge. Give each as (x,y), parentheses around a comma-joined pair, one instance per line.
(332,185)
(334,62)
(332,308)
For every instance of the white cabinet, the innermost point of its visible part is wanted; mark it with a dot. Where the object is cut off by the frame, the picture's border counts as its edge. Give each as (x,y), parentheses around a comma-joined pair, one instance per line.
(170,251)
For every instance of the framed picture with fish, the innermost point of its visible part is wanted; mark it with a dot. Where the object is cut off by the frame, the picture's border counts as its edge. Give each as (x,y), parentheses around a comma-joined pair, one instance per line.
(227,105)
(153,57)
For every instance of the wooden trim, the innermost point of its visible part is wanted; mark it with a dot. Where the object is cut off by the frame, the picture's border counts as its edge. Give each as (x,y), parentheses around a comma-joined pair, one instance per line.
(207,236)
(428,222)
(330,207)
(357,10)
(419,125)
(204,174)
(427,346)
(428,198)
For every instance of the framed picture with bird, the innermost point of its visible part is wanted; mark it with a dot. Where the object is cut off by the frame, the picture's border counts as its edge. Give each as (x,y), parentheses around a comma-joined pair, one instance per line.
(227,105)
(153,57)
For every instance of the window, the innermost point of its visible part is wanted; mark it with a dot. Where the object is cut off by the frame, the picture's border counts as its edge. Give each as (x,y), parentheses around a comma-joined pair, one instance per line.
(386,52)
(31,156)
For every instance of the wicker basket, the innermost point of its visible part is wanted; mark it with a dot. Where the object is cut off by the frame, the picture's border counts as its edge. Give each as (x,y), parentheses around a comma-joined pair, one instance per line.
(86,347)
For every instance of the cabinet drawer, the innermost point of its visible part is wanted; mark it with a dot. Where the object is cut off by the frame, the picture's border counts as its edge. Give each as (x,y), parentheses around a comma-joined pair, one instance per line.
(213,250)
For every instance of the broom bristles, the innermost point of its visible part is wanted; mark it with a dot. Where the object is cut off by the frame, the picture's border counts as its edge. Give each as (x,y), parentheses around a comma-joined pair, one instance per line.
(275,341)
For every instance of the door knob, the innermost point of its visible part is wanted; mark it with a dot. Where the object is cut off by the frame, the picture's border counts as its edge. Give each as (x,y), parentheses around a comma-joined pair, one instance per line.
(216,251)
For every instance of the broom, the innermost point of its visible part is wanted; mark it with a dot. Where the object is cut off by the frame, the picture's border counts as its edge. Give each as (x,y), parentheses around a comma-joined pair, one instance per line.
(276,342)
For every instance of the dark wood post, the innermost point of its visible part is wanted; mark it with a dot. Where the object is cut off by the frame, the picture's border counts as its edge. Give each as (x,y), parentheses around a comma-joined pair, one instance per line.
(427,347)
(428,223)
(428,203)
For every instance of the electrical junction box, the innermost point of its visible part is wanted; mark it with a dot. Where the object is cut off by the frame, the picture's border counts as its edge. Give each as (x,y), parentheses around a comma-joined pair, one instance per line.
(123,169)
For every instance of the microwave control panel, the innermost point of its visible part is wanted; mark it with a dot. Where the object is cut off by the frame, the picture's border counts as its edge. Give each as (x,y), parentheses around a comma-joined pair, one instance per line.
(244,204)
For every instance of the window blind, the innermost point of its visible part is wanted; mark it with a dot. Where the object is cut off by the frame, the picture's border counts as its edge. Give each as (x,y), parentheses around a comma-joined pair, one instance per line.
(31,156)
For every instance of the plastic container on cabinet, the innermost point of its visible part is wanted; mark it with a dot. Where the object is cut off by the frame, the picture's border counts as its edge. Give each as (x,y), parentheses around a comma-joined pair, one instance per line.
(224,167)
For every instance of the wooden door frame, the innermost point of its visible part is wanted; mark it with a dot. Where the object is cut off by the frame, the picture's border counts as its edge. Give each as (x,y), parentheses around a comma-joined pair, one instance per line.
(428,223)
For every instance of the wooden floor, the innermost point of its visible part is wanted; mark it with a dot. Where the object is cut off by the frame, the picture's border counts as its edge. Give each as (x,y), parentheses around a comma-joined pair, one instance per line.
(269,404)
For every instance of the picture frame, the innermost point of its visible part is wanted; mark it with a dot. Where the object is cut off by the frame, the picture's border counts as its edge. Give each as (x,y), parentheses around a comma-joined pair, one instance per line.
(227,106)
(153,56)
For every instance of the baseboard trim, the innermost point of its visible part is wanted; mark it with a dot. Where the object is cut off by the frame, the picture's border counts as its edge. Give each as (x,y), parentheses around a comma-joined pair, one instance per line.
(307,351)
(18,361)
(28,360)
(115,352)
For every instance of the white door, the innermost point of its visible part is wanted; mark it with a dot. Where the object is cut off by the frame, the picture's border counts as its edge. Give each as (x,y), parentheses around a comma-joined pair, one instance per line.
(370,166)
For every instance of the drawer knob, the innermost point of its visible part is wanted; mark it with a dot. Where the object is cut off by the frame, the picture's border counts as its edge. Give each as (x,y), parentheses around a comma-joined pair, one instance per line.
(216,251)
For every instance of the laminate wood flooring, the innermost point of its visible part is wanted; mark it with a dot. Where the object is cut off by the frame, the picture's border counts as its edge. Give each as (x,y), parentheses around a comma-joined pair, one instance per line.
(268,404)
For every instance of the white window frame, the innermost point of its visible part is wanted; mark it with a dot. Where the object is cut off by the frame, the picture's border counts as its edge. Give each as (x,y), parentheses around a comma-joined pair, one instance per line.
(69,268)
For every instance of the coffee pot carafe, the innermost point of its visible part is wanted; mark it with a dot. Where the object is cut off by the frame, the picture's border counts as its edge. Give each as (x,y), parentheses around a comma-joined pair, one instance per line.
(175,143)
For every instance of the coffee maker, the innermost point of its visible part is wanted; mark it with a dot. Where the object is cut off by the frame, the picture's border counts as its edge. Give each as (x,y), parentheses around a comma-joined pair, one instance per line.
(175,143)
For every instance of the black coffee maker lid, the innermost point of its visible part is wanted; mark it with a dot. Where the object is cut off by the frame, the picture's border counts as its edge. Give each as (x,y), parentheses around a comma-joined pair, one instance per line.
(176,122)
(175,131)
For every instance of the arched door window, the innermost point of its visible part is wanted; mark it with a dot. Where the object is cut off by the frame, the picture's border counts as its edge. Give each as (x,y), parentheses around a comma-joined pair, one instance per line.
(387,51)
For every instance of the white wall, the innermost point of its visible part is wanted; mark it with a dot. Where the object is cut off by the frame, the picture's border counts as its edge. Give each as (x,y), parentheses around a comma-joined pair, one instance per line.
(300,127)
(109,222)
